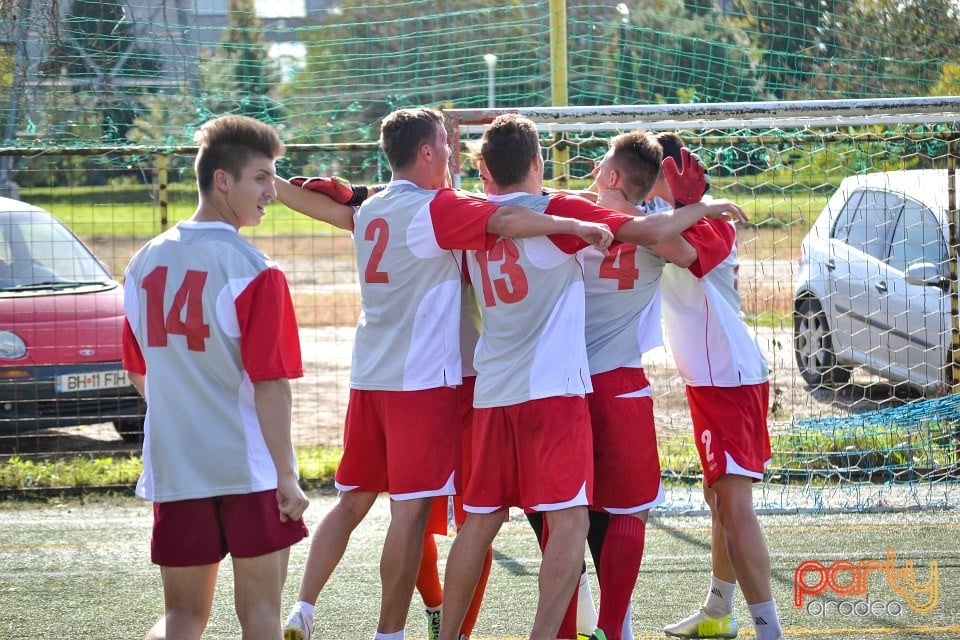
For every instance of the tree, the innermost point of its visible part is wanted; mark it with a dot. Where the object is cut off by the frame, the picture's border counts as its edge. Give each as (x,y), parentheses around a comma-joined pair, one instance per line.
(789,35)
(708,58)
(250,76)
(99,47)
(884,48)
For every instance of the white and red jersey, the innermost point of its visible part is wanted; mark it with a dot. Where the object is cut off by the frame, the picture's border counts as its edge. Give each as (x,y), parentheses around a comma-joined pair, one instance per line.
(622,304)
(408,335)
(207,315)
(711,344)
(531,296)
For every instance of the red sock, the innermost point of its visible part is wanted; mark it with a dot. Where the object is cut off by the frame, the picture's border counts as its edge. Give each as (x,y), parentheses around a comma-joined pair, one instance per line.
(428,580)
(619,565)
(470,620)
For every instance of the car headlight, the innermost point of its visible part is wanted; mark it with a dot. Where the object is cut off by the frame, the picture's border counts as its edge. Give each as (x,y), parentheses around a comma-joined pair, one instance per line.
(11,346)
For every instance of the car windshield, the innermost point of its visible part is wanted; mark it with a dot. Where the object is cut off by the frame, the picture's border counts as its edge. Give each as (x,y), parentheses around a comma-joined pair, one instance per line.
(38,251)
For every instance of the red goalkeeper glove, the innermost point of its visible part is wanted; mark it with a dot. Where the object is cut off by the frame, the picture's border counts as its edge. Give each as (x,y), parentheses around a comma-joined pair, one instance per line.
(337,189)
(690,182)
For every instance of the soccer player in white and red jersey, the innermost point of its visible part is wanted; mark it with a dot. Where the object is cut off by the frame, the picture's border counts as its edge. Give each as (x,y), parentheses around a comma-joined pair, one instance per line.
(429,584)
(726,377)
(622,323)
(532,436)
(402,432)
(211,341)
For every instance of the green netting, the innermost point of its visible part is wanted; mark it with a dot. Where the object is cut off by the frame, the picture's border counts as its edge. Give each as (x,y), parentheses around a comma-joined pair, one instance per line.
(82,72)
(99,102)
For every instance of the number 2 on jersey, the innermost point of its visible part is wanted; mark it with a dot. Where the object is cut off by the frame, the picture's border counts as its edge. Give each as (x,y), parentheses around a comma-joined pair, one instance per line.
(379,232)
(185,317)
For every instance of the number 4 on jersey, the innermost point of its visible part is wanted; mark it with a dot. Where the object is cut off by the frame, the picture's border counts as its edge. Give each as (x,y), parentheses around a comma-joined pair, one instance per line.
(185,317)
(620,265)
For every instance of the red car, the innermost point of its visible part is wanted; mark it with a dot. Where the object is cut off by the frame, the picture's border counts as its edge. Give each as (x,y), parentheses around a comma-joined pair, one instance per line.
(61,319)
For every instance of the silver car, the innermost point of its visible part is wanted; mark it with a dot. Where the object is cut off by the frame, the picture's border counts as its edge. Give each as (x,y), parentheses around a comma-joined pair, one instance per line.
(873,287)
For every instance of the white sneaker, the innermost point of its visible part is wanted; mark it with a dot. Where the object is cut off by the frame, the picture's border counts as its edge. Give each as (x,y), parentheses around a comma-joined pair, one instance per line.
(703,625)
(297,627)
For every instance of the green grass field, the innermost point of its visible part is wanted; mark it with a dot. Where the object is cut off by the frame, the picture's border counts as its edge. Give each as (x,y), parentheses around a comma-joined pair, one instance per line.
(76,569)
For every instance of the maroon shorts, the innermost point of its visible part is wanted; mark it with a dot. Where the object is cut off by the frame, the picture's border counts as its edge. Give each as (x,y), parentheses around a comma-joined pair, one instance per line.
(406,443)
(625,460)
(730,429)
(537,455)
(189,533)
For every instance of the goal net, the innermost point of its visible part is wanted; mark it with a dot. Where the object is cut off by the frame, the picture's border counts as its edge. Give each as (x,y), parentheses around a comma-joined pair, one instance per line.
(863,433)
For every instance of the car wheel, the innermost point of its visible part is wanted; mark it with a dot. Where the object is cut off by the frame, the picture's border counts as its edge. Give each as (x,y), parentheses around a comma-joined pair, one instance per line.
(813,347)
(131,430)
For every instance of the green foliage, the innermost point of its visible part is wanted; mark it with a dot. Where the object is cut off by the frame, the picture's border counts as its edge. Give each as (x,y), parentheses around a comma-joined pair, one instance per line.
(870,452)
(317,465)
(707,58)
(68,473)
(881,48)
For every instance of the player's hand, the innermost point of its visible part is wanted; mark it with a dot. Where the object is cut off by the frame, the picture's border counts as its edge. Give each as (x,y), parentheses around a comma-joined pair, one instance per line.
(595,233)
(723,208)
(291,500)
(687,183)
(337,189)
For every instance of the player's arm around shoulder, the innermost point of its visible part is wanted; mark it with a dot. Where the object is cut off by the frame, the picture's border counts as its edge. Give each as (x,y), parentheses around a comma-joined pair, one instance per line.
(314,204)
(520,222)
(659,227)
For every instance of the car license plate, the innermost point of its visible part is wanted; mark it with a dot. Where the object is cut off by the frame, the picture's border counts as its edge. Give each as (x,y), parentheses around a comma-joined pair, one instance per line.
(73,382)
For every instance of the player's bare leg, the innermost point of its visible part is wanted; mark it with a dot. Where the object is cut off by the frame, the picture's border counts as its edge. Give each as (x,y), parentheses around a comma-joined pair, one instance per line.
(258,587)
(720,563)
(464,566)
(400,561)
(330,540)
(187,600)
(748,551)
(559,569)
(745,543)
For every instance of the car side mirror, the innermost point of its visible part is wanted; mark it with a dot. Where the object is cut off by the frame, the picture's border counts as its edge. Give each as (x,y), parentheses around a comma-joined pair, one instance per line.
(926,274)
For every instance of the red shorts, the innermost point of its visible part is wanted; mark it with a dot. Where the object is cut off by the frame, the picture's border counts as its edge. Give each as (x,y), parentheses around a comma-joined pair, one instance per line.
(537,455)
(189,533)
(466,417)
(730,429)
(406,443)
(439,519)
(625,460)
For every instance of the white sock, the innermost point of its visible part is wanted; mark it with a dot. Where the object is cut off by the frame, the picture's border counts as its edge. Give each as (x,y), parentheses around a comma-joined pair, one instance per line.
(765,620)
(719,600)
(396,635)
(432,609)
(627,632)
(586,609)
(306,609)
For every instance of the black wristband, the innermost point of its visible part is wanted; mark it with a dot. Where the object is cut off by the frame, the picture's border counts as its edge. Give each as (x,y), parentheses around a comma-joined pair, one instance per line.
(359,195)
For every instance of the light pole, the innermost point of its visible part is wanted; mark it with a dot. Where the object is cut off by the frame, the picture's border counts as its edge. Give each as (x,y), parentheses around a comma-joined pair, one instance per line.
(622,56)
(491,61)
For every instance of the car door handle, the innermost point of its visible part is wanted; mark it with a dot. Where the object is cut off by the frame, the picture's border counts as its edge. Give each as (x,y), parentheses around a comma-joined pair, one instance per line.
(881,286)
(830,264)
